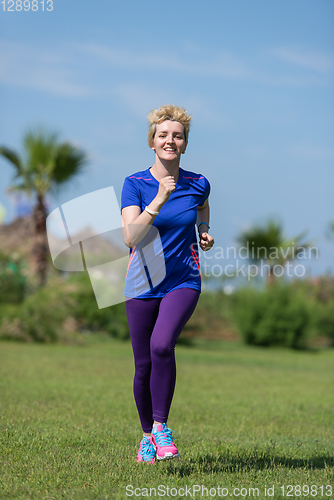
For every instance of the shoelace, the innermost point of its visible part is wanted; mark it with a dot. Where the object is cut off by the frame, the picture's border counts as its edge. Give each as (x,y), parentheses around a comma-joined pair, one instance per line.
(164,437)
(147,449)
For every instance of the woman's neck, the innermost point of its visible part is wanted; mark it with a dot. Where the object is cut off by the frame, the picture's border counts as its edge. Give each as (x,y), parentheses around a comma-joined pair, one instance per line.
(161,169)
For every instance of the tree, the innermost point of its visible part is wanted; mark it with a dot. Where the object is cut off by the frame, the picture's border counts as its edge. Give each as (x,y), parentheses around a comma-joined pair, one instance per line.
(45,166)
(267,243)
(330,231)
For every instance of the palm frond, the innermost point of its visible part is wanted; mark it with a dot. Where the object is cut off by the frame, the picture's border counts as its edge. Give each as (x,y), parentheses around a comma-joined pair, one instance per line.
(40,146)
(299,237)
(296,246)
(21,188)
(260,239)
(13,157)
(70,161)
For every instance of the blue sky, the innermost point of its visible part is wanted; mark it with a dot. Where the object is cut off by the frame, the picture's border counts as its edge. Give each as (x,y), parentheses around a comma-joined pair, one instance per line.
(257,76)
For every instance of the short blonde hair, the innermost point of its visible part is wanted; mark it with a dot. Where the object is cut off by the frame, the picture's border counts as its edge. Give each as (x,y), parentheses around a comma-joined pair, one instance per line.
(167,112)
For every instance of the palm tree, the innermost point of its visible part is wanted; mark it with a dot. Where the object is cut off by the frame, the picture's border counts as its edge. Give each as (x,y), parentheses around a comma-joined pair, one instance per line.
(267,243)
(45,166)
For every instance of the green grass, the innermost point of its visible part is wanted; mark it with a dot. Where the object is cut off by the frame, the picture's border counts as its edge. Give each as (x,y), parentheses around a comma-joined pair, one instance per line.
(243,417)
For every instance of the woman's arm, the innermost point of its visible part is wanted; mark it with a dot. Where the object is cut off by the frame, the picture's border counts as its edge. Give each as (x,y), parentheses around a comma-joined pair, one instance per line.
(203,215)
(135,223)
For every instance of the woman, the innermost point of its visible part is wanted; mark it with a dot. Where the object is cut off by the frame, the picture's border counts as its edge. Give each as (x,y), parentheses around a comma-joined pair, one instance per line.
(162,298)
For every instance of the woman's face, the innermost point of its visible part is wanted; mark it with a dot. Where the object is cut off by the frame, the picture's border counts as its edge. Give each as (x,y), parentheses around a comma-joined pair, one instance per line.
(169,141)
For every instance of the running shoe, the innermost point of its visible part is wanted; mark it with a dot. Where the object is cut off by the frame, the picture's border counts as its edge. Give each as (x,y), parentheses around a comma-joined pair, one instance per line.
(146,452)
(163,441)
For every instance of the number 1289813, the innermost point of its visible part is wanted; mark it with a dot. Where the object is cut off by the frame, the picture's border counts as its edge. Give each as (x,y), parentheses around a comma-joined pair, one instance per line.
(34,5)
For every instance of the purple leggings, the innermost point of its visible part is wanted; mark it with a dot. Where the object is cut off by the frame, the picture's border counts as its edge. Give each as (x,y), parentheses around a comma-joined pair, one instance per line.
(155,325)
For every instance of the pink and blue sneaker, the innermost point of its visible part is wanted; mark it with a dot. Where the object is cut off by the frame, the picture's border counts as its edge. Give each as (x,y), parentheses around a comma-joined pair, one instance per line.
(163,442)
(146,452)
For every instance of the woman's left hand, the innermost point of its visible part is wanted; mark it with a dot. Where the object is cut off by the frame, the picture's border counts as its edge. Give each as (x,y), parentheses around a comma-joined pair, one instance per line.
(206,241)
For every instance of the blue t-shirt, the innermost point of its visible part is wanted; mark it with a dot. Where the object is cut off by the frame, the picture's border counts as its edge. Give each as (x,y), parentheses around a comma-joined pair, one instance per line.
(166,259)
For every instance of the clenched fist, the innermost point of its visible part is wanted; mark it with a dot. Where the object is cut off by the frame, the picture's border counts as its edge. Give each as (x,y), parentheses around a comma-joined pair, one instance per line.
(206,241)
(166,187)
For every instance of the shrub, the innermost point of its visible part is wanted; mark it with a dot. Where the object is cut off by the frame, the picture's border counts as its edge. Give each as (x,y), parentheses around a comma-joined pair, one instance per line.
(320,294)
(61,311)
(85,310)
(322,322)
(12,280)
(42,317)
(274,316)
(212,318)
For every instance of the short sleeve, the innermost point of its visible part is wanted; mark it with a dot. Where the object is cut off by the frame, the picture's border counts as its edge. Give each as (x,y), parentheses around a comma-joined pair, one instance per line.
(130,194)
(207,189)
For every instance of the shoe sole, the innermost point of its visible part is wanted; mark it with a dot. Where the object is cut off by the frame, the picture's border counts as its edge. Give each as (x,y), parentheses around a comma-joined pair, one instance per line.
(168,455)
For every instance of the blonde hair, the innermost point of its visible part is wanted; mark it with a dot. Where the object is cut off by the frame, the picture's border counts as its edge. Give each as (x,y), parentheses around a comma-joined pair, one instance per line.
(167,112)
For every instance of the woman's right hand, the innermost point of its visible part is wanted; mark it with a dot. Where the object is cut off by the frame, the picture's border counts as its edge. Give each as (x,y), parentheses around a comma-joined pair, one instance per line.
(166,187)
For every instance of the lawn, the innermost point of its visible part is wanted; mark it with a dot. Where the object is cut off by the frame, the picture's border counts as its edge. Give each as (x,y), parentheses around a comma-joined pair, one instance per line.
(243,417)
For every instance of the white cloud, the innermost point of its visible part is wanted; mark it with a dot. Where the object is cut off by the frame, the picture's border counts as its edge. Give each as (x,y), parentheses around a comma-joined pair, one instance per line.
(25,65)
(303,58)
(78,70)
(219,64)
